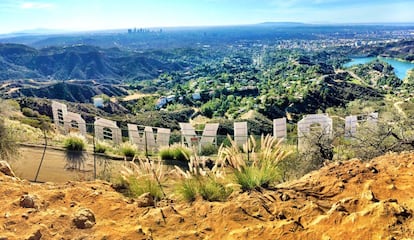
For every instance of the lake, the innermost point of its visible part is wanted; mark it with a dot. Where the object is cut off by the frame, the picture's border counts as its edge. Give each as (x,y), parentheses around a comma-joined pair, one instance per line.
(400,68)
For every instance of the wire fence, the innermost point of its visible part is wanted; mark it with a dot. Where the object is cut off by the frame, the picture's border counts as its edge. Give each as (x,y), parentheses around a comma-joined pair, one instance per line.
(44,158)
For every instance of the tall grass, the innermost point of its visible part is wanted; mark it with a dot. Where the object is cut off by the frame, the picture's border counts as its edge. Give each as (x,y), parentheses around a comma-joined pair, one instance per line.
(201,181)
(74,142)
(175,152)
(256,165)
(128,150)
(75,151)
(212,190)
(102,147)
(188,189)
(142,176)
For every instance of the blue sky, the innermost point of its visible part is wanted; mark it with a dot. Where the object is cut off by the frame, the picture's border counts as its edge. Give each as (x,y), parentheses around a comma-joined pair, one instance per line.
(17,15)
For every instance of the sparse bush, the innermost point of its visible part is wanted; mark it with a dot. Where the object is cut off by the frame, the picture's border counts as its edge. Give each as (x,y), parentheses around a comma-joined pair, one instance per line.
(128,150)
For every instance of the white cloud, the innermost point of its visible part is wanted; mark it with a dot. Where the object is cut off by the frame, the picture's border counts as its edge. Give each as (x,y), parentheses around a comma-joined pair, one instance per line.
(36,5)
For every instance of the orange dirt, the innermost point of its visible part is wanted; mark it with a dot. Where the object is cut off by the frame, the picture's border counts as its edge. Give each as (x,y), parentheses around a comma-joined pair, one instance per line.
(348,200)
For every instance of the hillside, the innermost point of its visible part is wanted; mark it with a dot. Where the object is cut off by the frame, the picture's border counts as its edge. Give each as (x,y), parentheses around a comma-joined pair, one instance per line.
(343,200)
(80,62)
(73,92)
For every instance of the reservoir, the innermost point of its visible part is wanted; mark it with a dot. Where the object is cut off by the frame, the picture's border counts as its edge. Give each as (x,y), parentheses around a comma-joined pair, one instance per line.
(400,68)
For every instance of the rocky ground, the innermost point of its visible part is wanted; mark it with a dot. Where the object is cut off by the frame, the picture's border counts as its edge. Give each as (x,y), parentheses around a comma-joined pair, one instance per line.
(348,200)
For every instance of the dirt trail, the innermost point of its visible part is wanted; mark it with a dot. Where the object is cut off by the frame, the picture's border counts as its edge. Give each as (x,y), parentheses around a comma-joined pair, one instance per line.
(344,200)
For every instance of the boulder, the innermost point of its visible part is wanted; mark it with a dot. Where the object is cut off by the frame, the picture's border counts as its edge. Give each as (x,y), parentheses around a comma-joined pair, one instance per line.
(27,201)
(84,218)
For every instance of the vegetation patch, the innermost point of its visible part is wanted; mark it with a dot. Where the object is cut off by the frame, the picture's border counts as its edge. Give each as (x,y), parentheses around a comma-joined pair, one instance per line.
(255,165)
(175,152)
(75,142)
(128,150)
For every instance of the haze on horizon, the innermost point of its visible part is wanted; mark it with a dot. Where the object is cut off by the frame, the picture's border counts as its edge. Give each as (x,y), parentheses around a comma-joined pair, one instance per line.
(79,15)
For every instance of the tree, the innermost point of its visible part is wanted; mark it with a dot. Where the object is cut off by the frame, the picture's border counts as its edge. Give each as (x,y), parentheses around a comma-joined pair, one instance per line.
(392,133)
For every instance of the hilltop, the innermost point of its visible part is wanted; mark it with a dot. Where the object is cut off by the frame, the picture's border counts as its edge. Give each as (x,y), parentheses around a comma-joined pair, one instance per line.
(343,200)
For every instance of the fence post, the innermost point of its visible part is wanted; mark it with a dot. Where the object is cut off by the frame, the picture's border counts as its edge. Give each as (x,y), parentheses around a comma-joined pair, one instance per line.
(146,144)
(43,156)
(94,155)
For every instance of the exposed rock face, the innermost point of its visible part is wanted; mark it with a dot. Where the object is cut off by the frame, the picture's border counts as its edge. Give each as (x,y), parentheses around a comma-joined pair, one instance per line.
(6,169)
(344,200)
(84,218)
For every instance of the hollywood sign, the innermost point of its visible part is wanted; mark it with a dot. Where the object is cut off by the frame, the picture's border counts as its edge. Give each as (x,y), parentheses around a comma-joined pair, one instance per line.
(152,137)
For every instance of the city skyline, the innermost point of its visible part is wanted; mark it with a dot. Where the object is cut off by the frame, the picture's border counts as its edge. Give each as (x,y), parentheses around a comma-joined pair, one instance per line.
(80,15)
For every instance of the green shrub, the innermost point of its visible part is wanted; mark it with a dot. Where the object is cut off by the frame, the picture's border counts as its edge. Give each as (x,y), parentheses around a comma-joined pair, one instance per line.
(102,147)
(208,149)
(175,152)
(30,113)
(181,153)
(74,143)
(165,153)
(128,149)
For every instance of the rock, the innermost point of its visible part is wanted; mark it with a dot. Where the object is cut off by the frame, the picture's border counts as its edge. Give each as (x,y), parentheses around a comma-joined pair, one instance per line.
(369,195)
(3,238)
(337,207)
(27,201)
(144,231)
(140,230)
(371,168)
(145,200)
(284,197)
(35,236)
(6,169)
(84,218)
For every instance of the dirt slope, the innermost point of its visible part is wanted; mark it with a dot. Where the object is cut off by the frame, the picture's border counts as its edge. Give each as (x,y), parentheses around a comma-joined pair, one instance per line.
(349,200)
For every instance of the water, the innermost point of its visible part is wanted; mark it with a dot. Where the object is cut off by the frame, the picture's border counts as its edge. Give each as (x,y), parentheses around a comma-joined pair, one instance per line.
(400,68)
